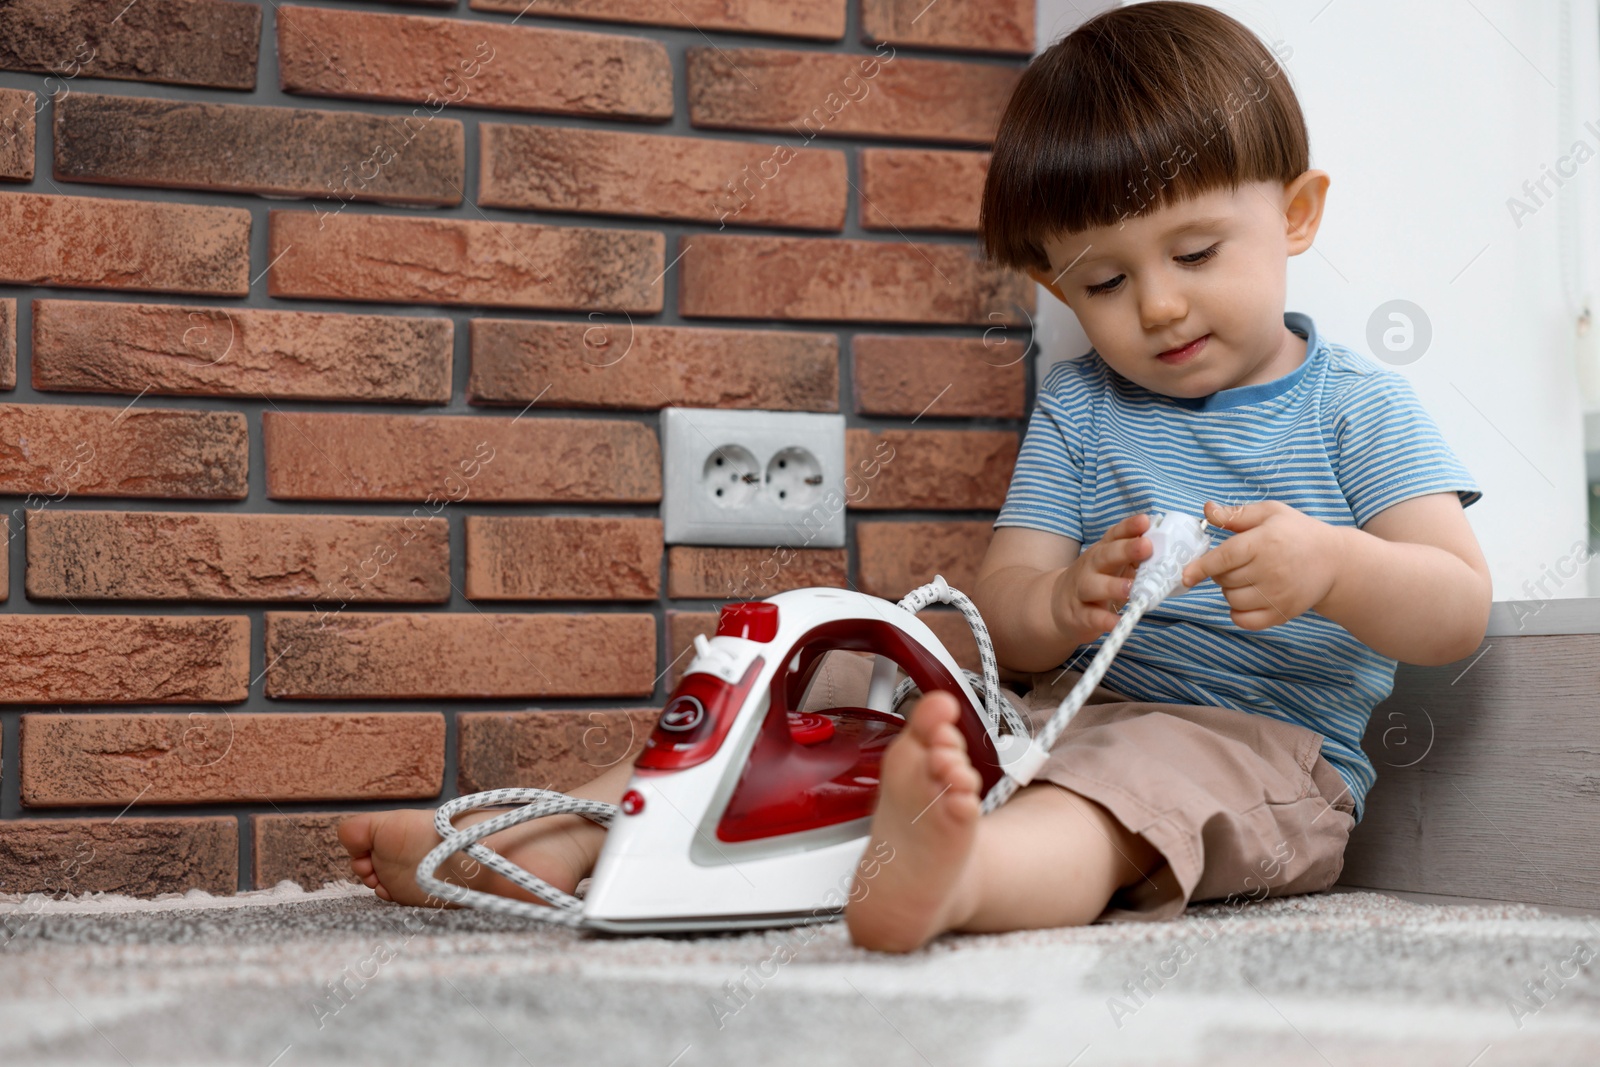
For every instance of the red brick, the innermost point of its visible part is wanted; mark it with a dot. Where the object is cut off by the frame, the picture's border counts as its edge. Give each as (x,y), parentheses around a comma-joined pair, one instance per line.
(563,557)
(1004,26)
(278,151)
(681,629)
(603,365)
(8,343)
(128,854)
(124,659)
(895,557)
(479,64)
(395,259)
(915,189)
(181,42)
(216,758)
(151,555)
(355,655)
(56,449)
(819,19)
(17,110)
(87,242)
(837,95)
(303,848)
(556,168)
(752,573)
(940,376)
(443,459)
(102,347)
(5,557)
(930,469)
(813,278)
(557,750)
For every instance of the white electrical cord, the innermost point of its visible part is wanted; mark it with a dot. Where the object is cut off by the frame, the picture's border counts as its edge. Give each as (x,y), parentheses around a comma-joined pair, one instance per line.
(998,708)
(564,909)
(1178,539)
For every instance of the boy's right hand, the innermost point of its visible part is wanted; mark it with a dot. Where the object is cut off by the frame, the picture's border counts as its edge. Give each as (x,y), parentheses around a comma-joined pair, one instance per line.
(1088,590)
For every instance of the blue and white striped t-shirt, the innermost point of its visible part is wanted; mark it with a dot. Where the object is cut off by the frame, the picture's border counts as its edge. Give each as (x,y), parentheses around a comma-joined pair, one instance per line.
(1338,438)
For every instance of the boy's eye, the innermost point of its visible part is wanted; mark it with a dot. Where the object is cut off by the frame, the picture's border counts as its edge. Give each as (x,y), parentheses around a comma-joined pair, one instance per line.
(1103,287)
(1191,259)
(1200,256)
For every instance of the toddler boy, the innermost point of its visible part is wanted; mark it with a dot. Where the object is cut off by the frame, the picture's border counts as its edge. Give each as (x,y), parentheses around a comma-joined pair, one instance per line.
(1152,172)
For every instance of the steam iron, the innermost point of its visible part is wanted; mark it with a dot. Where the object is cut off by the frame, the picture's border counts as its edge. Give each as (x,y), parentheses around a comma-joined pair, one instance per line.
(744,811)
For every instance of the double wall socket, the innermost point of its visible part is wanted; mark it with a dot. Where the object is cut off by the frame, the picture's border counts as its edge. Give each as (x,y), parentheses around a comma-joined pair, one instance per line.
(752,477)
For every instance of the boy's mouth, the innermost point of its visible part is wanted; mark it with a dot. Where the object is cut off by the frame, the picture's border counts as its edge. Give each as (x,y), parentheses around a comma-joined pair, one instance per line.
(1184,353)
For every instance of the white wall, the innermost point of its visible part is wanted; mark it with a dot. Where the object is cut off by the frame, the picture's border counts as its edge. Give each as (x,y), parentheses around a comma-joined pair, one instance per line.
(1428,117)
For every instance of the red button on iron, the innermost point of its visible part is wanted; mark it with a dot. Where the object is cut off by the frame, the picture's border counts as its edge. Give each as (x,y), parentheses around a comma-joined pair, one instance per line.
(632,802)
(753,620)
(808,728)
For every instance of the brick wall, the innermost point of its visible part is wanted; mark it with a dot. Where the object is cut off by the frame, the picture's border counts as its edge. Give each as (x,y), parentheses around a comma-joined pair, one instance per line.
(332,347)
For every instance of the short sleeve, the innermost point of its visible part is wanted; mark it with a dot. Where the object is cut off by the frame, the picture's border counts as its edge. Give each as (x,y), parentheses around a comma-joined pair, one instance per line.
(1047,485)
(1387,448)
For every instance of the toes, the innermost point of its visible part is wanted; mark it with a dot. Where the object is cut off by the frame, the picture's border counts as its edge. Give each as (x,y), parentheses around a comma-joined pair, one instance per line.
(953,771)
(933,710)
(363,866)
(949,768)
(950,736)
(356,833)
(939,737)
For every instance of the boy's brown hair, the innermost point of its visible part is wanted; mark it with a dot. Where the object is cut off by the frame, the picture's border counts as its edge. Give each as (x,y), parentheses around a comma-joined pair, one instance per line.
(1140,107)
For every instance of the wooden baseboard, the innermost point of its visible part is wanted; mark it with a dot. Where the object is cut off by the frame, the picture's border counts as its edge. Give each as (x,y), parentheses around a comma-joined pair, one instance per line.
(1488,776)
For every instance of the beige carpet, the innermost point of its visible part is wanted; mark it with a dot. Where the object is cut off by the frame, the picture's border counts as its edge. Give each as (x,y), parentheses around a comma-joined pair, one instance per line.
(285,978)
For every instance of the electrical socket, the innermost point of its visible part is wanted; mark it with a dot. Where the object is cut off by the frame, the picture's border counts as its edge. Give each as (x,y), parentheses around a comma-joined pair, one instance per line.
(733,477)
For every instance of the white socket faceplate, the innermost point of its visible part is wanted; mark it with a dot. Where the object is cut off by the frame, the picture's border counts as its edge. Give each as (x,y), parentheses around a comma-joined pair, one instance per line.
(781,476)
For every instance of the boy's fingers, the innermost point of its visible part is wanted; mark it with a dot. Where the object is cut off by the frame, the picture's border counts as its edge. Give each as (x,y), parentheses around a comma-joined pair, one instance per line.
(1099,588)
(1122,551)
(1128,522)
(1229,555)
(1258,619)
(1246,596)
(1105,619)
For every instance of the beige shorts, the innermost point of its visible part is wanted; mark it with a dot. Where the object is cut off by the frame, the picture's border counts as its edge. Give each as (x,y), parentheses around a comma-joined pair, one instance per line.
(1241,806)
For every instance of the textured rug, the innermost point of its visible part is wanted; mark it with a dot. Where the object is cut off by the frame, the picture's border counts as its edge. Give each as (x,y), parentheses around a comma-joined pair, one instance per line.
(284,978)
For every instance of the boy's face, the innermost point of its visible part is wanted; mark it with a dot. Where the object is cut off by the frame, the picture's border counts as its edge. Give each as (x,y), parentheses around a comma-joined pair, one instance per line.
(1211,267)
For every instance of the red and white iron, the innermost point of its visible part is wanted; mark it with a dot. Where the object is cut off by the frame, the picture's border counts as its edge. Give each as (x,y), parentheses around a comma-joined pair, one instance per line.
(769,805)
(744,811)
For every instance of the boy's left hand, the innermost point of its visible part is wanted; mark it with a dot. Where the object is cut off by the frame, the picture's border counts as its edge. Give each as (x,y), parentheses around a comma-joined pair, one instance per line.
(1280,563)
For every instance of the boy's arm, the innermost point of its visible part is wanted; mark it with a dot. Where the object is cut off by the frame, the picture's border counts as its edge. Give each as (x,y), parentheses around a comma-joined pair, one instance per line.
(1023,591)
(1412,584)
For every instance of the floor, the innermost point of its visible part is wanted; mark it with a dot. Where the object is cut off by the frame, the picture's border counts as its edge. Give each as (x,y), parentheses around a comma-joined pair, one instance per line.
(283,978)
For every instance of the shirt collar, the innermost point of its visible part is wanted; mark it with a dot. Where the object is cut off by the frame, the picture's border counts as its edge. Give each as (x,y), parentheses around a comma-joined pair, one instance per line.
(1251,394)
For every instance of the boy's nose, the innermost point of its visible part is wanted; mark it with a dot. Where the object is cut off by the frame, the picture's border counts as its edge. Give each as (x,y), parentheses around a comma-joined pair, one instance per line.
(1161,306)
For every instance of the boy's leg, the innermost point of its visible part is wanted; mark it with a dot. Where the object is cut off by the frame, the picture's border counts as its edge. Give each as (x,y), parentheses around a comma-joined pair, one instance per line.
(1047,858)
(385,847)
(1050,857)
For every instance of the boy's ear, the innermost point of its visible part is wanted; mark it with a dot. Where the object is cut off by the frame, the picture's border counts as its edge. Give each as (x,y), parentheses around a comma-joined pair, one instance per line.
(1040,277)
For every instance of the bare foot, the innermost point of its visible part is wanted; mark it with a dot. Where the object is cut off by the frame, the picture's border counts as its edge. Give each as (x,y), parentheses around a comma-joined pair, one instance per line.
(908,887)
(386,846)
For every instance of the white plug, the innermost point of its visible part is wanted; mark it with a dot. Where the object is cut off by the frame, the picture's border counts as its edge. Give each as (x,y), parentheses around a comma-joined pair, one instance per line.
(1179,540)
